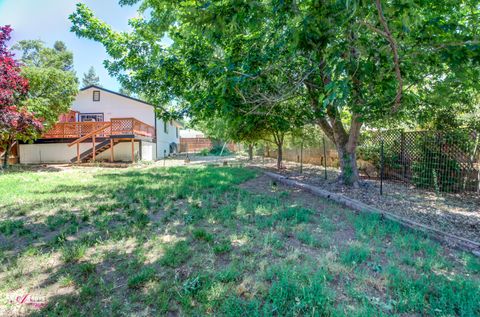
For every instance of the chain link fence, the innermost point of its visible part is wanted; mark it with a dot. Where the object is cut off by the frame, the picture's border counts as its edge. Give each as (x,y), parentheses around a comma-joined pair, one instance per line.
(443,161)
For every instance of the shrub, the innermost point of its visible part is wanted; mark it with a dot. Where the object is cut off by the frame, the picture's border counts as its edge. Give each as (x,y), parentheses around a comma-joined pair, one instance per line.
(217,150)
(204,152)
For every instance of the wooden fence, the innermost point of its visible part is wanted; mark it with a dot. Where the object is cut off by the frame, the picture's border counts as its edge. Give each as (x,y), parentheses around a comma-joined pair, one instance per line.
(194,145)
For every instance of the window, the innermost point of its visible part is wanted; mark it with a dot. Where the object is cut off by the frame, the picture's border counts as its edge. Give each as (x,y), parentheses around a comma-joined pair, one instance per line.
(176,131)
(91,117)
(165,126)
(96,95)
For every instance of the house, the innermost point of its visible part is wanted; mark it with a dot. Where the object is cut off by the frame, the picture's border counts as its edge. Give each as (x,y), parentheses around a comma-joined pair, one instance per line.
(104,125)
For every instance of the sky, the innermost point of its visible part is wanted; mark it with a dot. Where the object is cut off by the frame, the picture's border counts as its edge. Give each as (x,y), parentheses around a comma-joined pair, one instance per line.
(47,20)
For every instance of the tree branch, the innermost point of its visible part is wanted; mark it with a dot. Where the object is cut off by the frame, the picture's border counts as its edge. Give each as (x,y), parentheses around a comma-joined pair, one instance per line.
(396,60)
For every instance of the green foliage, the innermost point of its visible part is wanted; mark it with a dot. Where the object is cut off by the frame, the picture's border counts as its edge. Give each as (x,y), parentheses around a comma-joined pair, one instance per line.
(267,67)
(34,53)
(73,252)
(53,83)
(218,149)
(436,169)
(192,285)
(91,78)
(9,227)
(204,152)
(202,234)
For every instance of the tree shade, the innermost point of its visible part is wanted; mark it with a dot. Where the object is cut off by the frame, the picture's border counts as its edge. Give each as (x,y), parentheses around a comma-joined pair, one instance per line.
(346,64)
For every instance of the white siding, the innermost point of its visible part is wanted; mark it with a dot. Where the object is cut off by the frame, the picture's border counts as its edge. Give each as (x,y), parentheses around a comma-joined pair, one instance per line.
(149,151)
(164,139)
(61,153)
(113,106)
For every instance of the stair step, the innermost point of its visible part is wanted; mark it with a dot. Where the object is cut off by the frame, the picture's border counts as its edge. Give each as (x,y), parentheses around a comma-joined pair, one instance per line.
(88,154)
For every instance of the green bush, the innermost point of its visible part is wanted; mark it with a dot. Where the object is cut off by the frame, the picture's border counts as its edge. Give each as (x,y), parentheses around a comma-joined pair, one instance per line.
(435,169)
(204,152)
(441,174)
(217,150)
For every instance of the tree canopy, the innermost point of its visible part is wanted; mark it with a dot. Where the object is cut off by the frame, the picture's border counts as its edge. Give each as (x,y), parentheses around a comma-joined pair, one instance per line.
(16,122)
(90,78)
(52,80)
(346,64)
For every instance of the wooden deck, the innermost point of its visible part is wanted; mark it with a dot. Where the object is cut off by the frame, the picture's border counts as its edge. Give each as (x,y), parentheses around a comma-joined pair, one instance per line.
(114,127)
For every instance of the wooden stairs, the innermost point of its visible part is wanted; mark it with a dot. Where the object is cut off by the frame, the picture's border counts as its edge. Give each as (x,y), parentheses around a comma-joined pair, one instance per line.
(88,154)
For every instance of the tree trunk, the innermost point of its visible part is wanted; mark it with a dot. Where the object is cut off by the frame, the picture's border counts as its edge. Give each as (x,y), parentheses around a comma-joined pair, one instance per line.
(279,155)
(5,156)
(348,166)
(250,152)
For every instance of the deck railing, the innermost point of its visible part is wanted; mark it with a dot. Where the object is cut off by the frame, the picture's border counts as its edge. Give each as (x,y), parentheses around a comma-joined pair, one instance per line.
(117,126)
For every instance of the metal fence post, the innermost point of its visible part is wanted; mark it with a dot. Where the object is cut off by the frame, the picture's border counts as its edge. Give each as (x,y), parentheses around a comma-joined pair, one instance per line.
(164,157)
(301,156)
(382,163)
(402,155)
(324,157)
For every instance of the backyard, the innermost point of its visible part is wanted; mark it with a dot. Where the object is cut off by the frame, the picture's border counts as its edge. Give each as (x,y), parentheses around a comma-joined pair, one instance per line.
(205,240)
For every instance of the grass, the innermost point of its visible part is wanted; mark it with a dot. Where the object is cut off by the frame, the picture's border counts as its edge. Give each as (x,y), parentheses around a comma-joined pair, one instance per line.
(200,241)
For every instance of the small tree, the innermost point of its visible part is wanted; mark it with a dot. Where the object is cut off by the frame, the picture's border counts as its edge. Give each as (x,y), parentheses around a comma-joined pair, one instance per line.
(15,123)
(90,78)
(53,84)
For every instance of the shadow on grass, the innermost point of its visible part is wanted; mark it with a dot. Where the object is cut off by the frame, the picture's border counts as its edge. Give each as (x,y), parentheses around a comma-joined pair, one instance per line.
(189,241)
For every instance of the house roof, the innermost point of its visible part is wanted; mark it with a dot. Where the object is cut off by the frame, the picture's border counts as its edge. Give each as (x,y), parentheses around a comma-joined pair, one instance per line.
(178,124)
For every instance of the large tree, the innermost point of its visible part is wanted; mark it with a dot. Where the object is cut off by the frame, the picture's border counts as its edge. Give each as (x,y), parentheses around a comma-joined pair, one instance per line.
(352,62)
(16,122)
(52,80)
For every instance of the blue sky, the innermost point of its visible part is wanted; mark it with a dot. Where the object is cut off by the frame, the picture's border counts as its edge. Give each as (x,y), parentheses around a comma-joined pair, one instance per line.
(47,20)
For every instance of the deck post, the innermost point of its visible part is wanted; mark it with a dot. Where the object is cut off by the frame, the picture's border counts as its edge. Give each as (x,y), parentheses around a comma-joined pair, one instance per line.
(133,150)
(111,150)
(78,152)
(93,149)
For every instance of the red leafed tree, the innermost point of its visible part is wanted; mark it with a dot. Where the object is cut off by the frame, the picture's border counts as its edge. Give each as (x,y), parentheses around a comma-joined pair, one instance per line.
(16,123)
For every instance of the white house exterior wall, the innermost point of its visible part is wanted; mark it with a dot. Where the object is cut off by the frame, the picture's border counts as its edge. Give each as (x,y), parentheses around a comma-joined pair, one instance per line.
(113,106)
(149,151)
(164,139)
(61,153)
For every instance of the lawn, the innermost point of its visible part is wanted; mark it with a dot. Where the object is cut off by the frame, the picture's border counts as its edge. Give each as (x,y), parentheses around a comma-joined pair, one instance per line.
(217,241)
